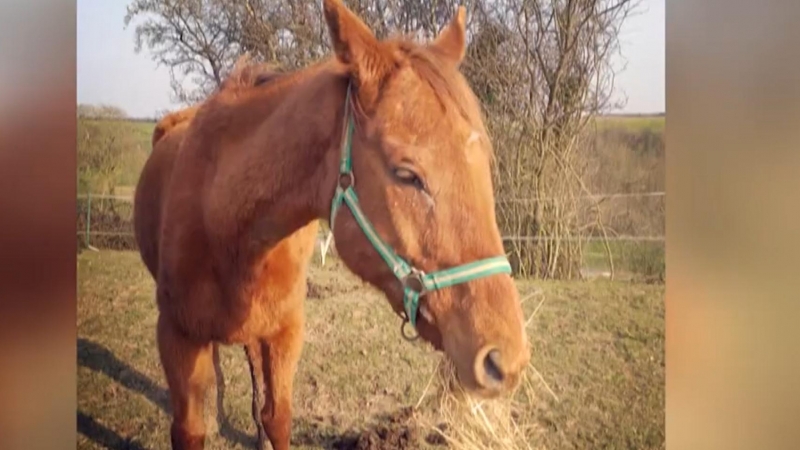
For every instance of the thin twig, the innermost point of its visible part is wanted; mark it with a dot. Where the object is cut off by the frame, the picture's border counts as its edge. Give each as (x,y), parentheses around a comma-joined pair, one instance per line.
(547,386)
(533,314)
(427,386)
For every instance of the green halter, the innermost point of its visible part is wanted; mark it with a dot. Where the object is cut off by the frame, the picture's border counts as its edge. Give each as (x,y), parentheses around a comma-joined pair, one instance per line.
(415,282)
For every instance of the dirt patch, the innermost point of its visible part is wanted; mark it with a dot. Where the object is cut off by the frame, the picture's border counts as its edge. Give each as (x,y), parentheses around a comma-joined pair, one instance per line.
(318,290)
(396,431)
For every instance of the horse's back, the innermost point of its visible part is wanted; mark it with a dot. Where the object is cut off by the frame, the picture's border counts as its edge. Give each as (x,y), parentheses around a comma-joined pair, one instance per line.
(151,188)
(172,121)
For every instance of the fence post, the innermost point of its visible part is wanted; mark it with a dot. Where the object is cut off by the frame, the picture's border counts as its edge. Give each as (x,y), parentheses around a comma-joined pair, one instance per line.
(88,218)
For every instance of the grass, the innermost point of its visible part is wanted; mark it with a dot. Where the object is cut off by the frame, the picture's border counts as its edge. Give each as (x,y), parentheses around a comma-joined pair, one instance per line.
(133,161)
(140,130)
(645,259)
(634,123)
(597,345)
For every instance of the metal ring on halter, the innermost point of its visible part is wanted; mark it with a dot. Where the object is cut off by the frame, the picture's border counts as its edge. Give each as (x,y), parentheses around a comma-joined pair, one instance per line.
(414,282)
(405,333)
(346,180)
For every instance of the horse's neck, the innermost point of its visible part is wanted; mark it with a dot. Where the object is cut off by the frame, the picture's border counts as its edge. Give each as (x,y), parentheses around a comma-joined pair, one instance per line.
(281,175)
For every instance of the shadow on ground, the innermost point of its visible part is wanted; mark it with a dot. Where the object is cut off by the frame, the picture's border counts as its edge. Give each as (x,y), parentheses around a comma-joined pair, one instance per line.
(94,356)
(101,435)
(394,431)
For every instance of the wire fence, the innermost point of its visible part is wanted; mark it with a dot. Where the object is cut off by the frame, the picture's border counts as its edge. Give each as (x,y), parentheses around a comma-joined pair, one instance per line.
(112,215)
(106,222)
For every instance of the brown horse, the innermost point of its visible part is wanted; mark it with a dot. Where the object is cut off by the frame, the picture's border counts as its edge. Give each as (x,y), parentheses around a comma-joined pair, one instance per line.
(238,213)
(167,136)
(158,168)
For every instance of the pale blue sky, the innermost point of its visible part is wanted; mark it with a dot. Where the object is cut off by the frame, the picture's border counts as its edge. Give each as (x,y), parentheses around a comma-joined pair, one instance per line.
(109,71)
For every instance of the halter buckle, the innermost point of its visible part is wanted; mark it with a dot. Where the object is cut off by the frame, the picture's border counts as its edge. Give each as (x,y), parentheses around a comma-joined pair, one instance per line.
(414,281)
(347,180)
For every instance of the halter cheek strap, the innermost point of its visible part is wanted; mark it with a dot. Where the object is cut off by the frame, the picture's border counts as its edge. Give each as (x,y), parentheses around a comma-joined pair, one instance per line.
(416,283)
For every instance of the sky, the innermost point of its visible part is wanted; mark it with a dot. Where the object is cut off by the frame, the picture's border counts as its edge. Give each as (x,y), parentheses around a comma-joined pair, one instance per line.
(111,72)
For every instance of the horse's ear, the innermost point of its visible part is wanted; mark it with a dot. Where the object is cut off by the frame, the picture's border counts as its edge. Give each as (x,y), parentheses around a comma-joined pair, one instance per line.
(356,46)
(451,42)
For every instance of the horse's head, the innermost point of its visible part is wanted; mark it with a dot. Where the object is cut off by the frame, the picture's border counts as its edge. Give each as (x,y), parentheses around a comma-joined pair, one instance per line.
(421,170)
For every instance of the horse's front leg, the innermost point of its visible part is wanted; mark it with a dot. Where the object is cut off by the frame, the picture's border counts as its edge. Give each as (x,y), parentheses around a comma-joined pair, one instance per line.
(280,354)
(255,362)
(189,369)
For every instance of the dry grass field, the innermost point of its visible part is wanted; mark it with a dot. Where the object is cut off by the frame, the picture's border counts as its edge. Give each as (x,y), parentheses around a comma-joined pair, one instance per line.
(598,353)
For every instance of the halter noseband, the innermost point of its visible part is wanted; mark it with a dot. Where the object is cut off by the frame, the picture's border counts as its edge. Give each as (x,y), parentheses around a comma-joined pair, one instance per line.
(416,283)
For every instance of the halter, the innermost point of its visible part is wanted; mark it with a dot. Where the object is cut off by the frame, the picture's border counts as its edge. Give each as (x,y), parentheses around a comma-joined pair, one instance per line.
(416,283)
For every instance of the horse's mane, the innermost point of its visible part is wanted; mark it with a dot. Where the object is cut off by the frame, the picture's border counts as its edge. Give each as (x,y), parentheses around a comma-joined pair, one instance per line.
(245,74)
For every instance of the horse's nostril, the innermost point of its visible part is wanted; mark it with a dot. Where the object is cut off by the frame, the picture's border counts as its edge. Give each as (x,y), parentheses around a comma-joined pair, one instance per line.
(491,364)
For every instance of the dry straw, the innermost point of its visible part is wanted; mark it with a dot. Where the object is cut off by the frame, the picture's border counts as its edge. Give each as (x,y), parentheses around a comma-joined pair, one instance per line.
(467,423)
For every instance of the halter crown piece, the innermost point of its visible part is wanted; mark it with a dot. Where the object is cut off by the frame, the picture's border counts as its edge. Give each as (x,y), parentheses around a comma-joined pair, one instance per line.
(416,283)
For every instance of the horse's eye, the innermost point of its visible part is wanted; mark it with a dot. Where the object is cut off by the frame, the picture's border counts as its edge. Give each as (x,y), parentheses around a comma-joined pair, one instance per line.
(408,177)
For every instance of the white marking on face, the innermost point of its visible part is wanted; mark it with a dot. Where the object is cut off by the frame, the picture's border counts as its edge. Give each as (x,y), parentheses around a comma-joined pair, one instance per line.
(470,150)
(474,136)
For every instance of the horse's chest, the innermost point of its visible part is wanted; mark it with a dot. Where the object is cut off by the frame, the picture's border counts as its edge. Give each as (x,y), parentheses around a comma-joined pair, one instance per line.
(267,300)
(269,307)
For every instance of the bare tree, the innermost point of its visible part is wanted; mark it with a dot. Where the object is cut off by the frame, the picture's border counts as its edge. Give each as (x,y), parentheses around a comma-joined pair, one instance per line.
(541,68)
(190,37)
(199,40)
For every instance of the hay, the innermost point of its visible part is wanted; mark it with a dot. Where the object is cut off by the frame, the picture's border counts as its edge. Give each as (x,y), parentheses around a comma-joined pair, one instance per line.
(467,423)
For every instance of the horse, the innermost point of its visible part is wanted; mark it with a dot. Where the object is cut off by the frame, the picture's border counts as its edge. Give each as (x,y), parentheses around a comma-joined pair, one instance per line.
(238,213)
(158,167)
(166,138)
